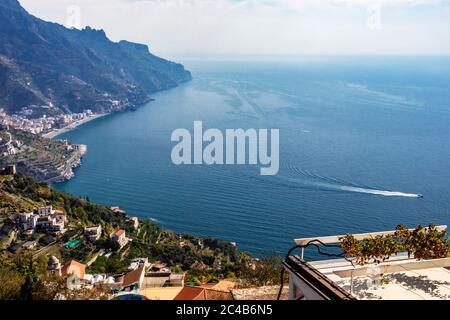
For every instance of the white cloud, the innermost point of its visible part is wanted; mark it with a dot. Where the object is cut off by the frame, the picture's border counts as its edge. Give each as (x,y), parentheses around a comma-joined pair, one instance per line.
(299,4)
(225,27)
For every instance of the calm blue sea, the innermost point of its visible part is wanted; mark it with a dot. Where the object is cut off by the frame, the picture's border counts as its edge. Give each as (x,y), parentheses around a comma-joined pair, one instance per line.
(359,136)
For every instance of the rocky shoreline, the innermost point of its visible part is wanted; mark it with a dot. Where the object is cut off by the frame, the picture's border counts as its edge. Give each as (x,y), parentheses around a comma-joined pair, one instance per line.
(46,160)
(55,174)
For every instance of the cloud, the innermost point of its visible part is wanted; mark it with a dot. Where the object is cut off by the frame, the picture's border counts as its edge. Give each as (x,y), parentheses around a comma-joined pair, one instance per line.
(289,3)
(176,28)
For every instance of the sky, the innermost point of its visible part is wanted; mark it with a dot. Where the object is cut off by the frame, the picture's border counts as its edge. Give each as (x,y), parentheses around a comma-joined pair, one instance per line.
(198,28)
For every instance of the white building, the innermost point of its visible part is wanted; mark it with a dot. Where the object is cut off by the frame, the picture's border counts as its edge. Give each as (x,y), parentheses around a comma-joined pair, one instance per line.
(120,238)
(51,221)
(93,233)
(23,217)
(46,211)
(399,278)
(28,220)
(133,221)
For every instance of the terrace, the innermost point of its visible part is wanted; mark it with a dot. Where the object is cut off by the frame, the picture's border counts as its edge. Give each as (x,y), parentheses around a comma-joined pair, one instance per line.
(398,277)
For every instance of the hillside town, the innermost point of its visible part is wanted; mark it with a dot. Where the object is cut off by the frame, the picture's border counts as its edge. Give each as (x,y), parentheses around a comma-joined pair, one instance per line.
(42,124)
(8,145)
(100,252)
(44,159)
(152,280)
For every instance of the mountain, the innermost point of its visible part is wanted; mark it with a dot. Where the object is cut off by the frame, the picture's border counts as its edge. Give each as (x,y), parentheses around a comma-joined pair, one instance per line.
(70,70)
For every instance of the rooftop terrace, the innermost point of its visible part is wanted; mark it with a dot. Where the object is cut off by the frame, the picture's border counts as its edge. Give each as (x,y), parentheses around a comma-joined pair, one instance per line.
(399,278)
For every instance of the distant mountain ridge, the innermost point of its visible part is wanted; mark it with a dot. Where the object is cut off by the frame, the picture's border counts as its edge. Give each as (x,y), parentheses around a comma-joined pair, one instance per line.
(44,63)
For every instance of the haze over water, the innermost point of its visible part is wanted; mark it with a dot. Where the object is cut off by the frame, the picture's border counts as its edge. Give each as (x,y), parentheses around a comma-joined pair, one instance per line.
(360,139)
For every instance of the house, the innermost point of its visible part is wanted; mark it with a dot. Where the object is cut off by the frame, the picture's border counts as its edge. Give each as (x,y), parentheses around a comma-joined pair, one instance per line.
(29,245)
(23,217)
(117,210)
(73,267)
(134,222)
(46,211)
(93,233)
(54,223)
(177,279)
(133,280)
(44,222)
(47,220)
(156,280)
(60,223)
(31,222)
(28,220)
(159,267)
(138,262)
(160,280)
(119,237)
(57,228)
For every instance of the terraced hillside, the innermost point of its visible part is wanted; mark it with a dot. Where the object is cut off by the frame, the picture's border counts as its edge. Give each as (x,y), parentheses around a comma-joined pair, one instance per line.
(43,159)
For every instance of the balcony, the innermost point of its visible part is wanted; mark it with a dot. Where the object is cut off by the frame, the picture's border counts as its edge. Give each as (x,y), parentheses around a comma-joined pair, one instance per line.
(401,277)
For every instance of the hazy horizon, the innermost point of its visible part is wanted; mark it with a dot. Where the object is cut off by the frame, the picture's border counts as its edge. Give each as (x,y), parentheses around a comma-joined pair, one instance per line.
(221,28)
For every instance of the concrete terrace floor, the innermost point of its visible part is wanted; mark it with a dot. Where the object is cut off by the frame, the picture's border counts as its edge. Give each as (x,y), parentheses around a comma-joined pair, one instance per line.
(432,282)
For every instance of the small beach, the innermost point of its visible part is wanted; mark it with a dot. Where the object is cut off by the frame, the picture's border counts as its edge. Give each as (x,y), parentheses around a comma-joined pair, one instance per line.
(72,126)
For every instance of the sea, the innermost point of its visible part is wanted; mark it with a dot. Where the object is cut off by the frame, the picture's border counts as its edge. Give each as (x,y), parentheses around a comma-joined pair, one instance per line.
(362,139)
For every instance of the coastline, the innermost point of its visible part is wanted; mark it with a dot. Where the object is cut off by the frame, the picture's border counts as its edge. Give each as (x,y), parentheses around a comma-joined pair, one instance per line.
(72,126)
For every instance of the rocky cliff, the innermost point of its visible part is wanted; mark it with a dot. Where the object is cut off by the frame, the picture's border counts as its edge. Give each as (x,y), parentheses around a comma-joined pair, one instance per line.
(70,70)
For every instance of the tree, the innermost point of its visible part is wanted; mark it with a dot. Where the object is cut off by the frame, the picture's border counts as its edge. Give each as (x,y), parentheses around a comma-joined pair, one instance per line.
(262,273)
(10,283)
(81,214)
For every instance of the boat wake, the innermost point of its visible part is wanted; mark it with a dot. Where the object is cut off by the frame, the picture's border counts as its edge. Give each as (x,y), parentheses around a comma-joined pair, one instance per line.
(382,192)
(309,178)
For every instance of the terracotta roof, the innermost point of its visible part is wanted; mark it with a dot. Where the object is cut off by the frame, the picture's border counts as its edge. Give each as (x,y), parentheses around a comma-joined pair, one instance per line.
(119,232)
(74,265)
(117,210)
(133,277)
(223,285)
(191,293)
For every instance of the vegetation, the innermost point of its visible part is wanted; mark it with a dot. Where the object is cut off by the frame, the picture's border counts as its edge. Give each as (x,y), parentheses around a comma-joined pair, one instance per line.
(42,158)
(49,70)
(23,278)
(206,260)
(422,243)
(27,192)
